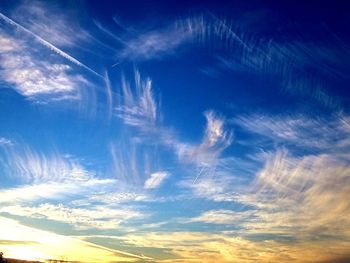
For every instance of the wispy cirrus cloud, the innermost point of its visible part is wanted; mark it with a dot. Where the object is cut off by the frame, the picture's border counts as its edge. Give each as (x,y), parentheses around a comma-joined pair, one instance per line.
(5,141)
(154,44)
(36,176)
(140,110)
(47,44)
(138,107)
(247,50)
(215,140)
(303,197)
(244,49)
(28,166)
(325,134)
(51,191)
(48,22)
(41,180)
(213,186)
(38,80)
(223,217)
(97,217)
(223,247)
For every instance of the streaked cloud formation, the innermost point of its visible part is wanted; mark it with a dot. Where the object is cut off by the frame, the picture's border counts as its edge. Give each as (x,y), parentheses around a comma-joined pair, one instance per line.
(199,134)
(33,77)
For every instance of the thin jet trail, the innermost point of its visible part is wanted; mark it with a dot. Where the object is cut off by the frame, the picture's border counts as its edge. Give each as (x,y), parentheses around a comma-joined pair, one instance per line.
(48,45)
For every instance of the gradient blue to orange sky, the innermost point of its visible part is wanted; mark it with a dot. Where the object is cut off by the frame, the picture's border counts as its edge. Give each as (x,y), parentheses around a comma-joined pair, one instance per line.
(175,131)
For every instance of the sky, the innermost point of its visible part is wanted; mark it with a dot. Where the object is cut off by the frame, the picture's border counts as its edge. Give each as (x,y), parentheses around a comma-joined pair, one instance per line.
(170,131)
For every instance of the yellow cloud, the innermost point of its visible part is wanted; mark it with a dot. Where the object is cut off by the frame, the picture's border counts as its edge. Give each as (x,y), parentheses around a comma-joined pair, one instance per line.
(33,244)
(204,247)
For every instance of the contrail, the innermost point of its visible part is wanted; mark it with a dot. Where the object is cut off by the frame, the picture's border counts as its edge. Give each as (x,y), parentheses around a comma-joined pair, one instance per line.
(48,44)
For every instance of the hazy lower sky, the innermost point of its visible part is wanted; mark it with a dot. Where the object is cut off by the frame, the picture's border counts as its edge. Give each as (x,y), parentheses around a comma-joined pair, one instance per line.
(175,131)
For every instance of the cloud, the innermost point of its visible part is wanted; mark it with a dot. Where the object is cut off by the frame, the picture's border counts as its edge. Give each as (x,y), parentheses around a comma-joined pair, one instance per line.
(218,187)
(37,79)
(138,108)
(48,22)
(32,167)
(242,48)
(48,44)
(7,44)
(153,44)
(5,141)
(119,197)
(223,217)
(52,190)
(158,42)
(326,134)
(133,159)
(45,176)
(302,197)
(208,247)
(155,180)
(216,139)
(97,217)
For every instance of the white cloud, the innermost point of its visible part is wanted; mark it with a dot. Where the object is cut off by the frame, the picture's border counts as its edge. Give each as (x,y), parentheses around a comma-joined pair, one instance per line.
(47,44)
(5,141)
(120,197)
(48,22)
(45,176)
(52,190)
(139,108)
(37,79)
(154,44)
(155,180)
(216,187)
(215,134)
(100,217)
(7,44)
(32,167)
(223,217)
(215,141)
(317,133)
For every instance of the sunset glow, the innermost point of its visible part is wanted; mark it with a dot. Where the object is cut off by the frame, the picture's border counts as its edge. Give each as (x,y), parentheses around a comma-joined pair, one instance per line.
(175,131)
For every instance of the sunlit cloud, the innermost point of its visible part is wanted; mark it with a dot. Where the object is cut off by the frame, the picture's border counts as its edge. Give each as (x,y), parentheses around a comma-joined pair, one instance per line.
(225,217)
(215,140)
(155,180)
(140,110)
(29,166)
(45,176)
(99,217)
(36,79)
(209,247)
(208,138)
(51,191)
(301,197)
(139,107)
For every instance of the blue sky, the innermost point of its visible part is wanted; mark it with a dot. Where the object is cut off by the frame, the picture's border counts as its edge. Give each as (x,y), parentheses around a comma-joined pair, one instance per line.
(175,132)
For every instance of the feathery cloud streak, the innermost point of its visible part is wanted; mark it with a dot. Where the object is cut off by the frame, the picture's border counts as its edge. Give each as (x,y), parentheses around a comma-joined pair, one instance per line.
(48,44)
